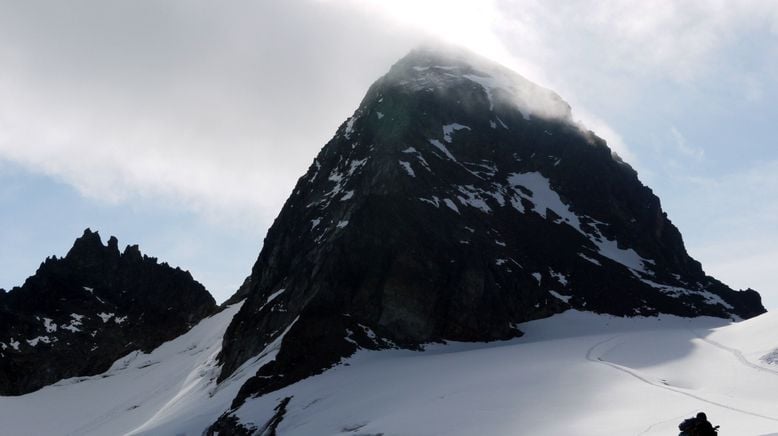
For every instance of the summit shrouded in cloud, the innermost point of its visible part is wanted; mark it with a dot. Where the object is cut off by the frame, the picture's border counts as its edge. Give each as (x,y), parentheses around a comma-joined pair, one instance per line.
(186,117)
(463,255)
(459,250)
(457,202)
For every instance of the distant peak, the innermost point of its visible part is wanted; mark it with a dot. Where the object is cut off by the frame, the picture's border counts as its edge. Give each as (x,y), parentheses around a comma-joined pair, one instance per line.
(89,244)
(89,234)
(132,252)
(88,238)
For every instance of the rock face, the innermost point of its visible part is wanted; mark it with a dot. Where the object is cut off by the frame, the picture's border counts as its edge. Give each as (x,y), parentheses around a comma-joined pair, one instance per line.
(78,314)
(459,200)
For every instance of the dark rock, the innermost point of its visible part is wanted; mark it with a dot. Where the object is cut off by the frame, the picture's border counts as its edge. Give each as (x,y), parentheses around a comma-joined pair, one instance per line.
(458,201)
(229,425)
(241,293)
(79,314)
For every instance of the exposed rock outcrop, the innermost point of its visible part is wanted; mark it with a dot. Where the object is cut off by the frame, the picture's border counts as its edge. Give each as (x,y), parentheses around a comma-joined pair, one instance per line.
(80,313)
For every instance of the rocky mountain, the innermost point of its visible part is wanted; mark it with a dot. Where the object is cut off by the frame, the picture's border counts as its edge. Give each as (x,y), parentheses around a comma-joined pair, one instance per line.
(79,314)
(459,200)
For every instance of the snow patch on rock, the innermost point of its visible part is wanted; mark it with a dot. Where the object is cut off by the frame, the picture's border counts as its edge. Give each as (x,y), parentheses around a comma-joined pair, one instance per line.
(49,325)
(440,146)
(407,167)
(34,341)
(564,298)
(450,129)
(451,205)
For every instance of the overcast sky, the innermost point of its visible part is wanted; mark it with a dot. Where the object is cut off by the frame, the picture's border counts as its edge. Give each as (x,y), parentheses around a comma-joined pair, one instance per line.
(183,125)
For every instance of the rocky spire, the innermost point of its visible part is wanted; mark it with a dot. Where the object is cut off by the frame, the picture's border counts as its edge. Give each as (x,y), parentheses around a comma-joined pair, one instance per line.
(78,314)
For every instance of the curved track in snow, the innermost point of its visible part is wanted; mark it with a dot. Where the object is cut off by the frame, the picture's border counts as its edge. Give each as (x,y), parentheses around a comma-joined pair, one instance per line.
(592,356)
(673,419)
(735,352)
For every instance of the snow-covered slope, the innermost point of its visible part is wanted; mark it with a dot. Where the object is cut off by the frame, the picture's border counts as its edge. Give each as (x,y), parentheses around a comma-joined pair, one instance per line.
(169,391)
(575,373)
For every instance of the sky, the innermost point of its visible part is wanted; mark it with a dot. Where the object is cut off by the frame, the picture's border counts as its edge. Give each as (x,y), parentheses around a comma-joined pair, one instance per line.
(183,125)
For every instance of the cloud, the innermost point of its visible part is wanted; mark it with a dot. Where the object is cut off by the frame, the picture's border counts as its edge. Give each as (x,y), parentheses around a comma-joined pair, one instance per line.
(672,40)
(684,148)
(603,130)
(220,107)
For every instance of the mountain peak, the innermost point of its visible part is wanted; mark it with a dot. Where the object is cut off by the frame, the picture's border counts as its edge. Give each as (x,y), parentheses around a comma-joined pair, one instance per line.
(91,244)
(133,253)
(439,69)
(457,202)
(76,315)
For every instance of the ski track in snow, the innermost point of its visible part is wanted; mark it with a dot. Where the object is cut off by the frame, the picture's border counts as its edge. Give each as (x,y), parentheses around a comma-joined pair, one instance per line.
(456,389)
(676,418)
(590,356)
(735,352)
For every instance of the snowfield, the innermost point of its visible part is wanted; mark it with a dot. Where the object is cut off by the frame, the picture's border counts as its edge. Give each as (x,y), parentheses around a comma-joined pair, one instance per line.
(573,374)
(168,392)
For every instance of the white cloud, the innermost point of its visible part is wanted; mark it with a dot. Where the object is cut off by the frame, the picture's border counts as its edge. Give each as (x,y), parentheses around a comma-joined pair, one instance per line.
(683,146)
(675,40)
(603,130)
(211,107)
(220,107)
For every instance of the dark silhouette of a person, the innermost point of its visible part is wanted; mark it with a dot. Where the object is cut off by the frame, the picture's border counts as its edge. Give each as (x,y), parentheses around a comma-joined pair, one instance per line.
(703,427)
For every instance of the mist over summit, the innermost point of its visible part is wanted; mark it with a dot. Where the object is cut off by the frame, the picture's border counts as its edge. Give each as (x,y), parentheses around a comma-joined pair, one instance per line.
(458,201)
(459,205)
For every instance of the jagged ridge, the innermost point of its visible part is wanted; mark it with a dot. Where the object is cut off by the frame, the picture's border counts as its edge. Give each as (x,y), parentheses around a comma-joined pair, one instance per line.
(80,313)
